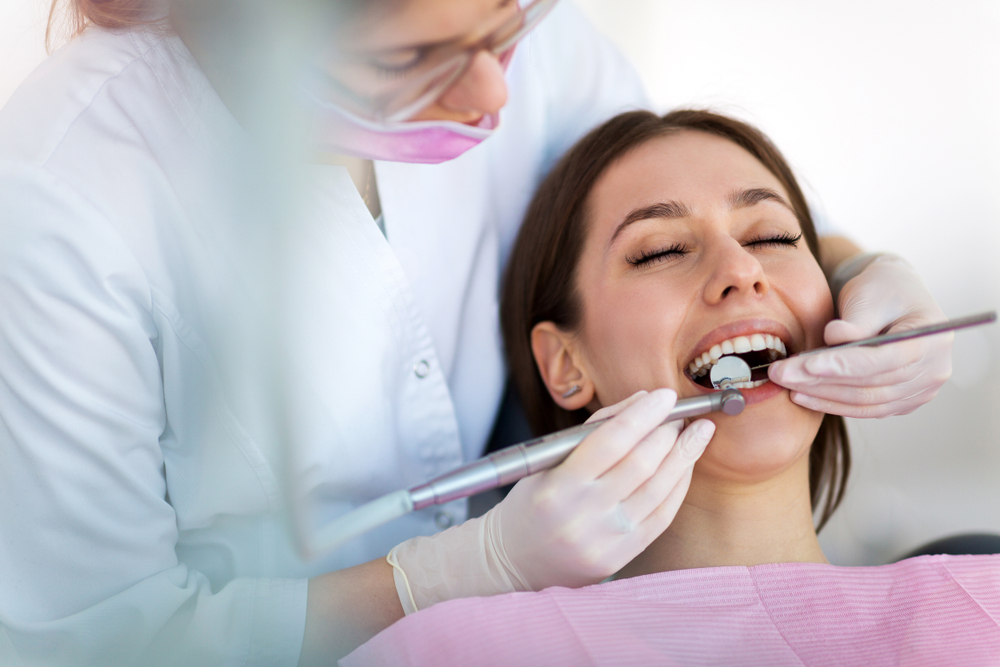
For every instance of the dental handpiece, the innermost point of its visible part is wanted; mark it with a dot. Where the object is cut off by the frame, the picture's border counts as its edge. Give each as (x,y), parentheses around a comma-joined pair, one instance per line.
(510,464)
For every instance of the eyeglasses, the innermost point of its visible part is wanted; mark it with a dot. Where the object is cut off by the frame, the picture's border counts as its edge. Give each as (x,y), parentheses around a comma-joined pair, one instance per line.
(396,90)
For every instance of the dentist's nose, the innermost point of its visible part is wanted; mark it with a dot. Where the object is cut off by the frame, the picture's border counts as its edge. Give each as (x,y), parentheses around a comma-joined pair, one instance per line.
(481,90)
(736,273)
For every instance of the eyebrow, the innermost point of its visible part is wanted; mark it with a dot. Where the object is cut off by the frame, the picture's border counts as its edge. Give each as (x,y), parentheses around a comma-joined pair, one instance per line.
(670,210)
(752,196)
(667,210)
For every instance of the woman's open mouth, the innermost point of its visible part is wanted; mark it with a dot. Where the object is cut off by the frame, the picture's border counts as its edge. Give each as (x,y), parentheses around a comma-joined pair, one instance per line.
(755,349)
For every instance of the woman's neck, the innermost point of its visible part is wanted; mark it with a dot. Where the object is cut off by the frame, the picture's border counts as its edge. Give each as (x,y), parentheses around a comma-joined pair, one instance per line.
(725,523)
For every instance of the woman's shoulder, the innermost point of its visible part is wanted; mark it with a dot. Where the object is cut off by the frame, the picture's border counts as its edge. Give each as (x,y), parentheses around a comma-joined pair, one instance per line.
(787,613)
(53,239)
(113,96)
(796,583)
(57,98)
(920,567)
(112,138)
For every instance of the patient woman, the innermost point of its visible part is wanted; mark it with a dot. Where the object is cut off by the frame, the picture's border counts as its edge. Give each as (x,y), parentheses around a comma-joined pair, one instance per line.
(655,247)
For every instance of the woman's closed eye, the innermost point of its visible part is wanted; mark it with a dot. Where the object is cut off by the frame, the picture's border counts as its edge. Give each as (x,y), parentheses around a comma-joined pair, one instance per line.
(644,257)
(774,241)
(650,257)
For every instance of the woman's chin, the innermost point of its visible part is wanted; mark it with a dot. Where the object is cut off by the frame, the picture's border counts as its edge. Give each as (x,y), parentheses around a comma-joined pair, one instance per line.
(748,460)
(769,435)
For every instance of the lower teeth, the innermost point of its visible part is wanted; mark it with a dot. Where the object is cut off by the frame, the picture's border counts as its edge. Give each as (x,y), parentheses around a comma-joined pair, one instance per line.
(748,385)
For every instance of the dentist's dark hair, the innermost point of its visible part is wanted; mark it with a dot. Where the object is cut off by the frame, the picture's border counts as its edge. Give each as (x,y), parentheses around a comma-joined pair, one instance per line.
(540,281)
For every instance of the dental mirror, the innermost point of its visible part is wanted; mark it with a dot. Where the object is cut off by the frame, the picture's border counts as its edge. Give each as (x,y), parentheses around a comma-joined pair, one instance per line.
(728,371)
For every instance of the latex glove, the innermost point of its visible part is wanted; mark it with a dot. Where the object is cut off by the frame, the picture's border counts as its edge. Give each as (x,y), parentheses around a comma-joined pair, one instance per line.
(572,525)
(881,381)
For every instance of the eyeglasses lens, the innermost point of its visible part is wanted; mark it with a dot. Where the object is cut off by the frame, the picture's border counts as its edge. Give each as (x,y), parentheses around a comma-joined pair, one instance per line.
(423,84)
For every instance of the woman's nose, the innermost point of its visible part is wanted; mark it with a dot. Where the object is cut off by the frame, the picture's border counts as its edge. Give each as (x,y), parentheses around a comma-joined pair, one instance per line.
(736,273)
(482,89)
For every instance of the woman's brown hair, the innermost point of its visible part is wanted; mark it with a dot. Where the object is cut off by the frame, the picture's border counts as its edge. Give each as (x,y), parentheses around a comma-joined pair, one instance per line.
(540,283)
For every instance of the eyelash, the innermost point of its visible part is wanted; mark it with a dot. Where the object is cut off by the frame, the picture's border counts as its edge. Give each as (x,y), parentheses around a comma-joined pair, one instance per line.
(392,72)
(782,239)
(644,257)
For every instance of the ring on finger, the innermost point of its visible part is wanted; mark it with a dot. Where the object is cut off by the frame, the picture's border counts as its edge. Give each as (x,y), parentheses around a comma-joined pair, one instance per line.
(621,520)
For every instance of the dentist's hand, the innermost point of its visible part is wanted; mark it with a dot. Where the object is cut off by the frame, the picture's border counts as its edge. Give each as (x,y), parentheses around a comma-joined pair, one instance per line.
(881,381)
(572,525)
(585,519)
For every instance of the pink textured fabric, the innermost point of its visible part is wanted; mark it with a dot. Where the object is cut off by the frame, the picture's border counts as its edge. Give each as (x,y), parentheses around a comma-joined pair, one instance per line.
(932,610)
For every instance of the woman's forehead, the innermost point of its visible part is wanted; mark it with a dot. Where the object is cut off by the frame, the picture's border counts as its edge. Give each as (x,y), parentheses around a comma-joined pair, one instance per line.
(687,167)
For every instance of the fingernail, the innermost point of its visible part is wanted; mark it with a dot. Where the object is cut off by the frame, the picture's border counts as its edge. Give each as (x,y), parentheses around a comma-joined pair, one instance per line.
(804,400)
(665,395)
(695,444)
(793,374)
(827,365)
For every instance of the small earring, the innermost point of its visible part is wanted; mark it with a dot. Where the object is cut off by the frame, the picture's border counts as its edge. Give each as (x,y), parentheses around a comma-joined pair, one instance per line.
(572,391)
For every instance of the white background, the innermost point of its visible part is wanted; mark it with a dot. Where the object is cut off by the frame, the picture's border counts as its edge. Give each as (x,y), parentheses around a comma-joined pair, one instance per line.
(890,112)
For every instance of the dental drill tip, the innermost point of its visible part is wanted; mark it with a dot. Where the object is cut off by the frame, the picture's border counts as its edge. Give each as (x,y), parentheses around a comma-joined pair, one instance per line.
(732,401)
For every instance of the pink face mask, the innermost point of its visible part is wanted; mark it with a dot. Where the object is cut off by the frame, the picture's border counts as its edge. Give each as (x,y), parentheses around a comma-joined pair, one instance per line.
(337,130)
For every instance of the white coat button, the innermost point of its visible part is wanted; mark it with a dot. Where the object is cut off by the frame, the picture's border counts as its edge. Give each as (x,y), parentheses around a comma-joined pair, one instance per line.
(443,520)
(422,369)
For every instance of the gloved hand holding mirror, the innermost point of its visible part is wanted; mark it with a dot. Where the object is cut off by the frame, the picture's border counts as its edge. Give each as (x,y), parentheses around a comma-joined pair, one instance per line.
(880,294)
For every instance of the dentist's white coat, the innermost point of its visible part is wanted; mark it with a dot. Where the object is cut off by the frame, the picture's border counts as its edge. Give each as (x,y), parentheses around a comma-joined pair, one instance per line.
(140,494)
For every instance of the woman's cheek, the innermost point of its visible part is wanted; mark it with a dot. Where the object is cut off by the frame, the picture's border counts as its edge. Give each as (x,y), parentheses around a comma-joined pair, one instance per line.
(629,346)
(808,295)
(823,310)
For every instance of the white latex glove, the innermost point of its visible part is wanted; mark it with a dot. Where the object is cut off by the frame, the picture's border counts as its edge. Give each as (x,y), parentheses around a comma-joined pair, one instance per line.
(881,381)
(572,525)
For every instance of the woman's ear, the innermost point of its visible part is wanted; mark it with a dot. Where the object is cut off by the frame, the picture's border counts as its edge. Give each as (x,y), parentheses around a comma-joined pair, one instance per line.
(562,373)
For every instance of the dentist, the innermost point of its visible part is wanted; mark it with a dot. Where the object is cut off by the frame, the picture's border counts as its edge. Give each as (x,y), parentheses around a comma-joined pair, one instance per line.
(143,505)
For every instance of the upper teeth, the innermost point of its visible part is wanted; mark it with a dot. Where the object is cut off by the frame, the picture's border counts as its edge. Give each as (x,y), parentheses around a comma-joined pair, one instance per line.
(738,345)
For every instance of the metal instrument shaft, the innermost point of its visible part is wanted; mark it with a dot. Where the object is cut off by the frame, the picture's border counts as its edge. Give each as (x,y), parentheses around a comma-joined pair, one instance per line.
(510,464)
(875,341)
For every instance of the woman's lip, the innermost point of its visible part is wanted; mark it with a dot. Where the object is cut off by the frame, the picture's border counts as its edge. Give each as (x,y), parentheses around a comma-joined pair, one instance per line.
(751,396)
(741,328)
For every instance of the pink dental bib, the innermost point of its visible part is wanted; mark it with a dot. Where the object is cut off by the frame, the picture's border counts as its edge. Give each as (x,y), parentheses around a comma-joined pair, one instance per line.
(932,610)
